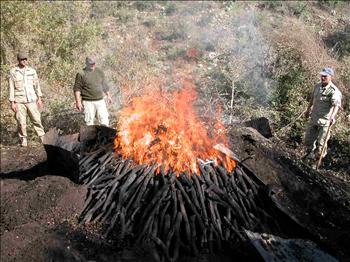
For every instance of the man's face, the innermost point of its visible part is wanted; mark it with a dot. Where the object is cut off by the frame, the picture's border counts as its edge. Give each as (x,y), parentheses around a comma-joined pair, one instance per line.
(325,79)
(23,62)
(91,66)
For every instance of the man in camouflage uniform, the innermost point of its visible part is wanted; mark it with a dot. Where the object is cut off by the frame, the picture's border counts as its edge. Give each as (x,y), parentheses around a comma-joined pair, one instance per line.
(89,89)
(25,97)
(323,107)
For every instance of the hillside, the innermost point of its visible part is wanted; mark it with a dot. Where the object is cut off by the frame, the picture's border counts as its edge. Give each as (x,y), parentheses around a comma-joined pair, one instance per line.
(234,61)
(252,59)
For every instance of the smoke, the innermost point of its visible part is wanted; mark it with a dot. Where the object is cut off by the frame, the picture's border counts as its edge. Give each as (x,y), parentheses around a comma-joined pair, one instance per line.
(231,51)
(232,43)
(252,47)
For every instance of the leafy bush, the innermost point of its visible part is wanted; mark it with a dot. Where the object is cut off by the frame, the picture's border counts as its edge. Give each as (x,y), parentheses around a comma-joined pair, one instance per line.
(292,8)
(170,8)
(102,9)
(339,42)
(144,5)
(175,53)
(55,35)
(326,4)
(173,35)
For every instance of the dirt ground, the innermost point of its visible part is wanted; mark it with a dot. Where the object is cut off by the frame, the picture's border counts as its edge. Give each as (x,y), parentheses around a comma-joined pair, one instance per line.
(39,210)
(319,201)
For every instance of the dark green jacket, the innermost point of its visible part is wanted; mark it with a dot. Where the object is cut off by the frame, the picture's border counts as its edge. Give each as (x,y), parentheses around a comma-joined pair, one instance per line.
(91,84)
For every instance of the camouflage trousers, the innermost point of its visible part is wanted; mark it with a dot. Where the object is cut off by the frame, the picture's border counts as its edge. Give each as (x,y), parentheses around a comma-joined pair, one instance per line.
(315,138)
(31,110)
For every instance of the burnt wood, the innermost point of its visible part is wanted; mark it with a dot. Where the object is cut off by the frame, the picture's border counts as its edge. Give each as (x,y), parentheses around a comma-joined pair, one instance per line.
(176,214)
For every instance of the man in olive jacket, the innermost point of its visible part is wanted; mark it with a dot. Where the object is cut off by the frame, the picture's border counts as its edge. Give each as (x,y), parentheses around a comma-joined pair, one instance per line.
(89,89)
(323,108)
(25,97)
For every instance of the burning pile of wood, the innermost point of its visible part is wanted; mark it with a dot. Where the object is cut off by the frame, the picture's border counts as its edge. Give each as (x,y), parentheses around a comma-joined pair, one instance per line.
(176,214)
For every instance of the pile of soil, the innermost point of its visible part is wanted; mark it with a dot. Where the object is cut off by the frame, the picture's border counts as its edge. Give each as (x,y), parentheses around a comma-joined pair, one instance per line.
(39,210)
(318,200)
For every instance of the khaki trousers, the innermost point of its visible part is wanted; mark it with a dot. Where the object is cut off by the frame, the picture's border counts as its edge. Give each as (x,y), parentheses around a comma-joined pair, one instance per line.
(30,109)
(315,138)
(93,109)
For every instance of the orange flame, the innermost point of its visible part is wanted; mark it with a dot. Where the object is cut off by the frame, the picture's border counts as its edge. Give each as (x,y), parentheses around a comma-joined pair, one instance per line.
(165,129)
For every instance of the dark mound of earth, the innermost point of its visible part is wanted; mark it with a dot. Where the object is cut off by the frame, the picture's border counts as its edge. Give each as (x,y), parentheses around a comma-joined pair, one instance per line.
(39,210)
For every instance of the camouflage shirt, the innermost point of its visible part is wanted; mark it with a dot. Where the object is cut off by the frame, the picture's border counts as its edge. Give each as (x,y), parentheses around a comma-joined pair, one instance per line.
(24,85)
(324,98)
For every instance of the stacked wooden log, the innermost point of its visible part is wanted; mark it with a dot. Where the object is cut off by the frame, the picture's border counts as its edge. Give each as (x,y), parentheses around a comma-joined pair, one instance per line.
(175,214)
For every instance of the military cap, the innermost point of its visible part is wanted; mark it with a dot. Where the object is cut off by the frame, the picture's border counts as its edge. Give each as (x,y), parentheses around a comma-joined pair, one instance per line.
(22,55)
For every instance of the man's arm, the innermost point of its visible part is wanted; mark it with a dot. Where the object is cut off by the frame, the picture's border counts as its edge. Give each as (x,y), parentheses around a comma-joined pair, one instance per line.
(309,107)
(78,103)
(336,102)
(77,92)
(109,97)
(334,113)
(12,94)
(38,90)
(311,103)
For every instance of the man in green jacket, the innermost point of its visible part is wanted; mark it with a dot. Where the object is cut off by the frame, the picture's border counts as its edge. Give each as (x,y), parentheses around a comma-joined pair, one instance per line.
(25,97)
(323,108)
(89,89)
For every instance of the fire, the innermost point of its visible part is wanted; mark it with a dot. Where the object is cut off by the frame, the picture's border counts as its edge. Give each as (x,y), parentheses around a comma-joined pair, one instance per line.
(165,129)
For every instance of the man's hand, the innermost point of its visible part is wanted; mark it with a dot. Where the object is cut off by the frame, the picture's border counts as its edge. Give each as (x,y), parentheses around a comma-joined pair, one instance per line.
(40,103)
(14,107)
(333,114)
(78,105)
(109,99)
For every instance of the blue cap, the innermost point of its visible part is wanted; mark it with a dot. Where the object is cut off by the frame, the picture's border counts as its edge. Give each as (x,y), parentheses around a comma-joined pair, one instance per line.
(327,71)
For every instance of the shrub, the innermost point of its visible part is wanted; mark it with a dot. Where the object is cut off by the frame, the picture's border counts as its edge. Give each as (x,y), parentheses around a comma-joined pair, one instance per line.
(56,34)
(175,53)
(170,8)
(144,5)
(339,42)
